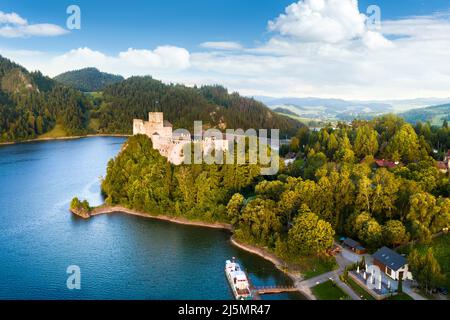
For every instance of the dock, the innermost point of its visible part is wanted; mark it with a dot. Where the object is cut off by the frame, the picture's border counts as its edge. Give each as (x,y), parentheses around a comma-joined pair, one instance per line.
(274,289)
(257,292)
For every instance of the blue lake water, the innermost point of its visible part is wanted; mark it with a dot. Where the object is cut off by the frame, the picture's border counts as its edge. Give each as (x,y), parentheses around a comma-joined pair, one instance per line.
(120,257)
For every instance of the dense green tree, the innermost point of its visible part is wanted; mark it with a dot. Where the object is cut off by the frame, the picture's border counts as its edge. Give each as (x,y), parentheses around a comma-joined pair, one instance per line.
(313,163)
(384,195)
(421,214)
(234,208)
(295,144)
(260,222)
(309,235)
(366,142)
(394,233)
(371,233)
(404,145)
(88,79)
(425,269)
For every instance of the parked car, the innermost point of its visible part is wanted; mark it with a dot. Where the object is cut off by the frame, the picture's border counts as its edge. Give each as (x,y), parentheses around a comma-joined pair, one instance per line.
(443,291)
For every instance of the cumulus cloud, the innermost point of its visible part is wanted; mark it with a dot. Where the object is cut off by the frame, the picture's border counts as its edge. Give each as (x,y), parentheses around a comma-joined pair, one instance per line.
(12,18)
(326,21)
(221,45)
(13,25)
(163,59)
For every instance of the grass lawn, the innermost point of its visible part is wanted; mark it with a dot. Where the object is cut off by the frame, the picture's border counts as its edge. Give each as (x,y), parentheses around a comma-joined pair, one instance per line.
(329,291)
(401,296)
(441,250)
(314,266)
(358,290)
(57,132)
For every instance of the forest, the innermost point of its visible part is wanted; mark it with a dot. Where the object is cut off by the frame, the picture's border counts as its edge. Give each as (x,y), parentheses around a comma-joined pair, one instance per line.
(32,104)
(88,79)
(213,105)
(334,188)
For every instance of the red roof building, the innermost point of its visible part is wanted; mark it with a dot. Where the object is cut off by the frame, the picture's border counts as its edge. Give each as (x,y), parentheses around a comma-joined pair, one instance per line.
(442,166)
(386,164)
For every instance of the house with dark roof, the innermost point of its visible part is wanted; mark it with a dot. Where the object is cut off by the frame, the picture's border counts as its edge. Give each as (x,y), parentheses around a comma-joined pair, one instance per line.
(354,246)
(392,264)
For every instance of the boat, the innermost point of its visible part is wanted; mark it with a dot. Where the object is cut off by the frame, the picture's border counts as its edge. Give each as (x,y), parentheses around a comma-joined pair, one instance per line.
(238,280)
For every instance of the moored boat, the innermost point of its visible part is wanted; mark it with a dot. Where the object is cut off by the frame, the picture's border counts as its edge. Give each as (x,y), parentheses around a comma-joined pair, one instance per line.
(238,280)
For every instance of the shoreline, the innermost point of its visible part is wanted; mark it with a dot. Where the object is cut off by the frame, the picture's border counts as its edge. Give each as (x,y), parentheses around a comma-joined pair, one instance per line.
(101,210)
(261,252)
(65,138)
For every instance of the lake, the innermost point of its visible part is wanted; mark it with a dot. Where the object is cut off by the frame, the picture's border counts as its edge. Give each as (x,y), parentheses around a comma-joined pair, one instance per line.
(120,257)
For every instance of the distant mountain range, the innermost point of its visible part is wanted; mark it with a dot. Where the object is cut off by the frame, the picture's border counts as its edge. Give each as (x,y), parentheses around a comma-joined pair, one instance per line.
(88,79)
(434,114)
(344,110)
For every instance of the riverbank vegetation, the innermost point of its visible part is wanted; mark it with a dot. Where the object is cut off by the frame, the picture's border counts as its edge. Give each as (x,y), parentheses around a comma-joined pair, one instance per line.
(81,208)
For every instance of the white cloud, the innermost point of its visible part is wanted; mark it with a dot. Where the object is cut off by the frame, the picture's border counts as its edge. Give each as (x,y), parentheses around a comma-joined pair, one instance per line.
(221,45)
(164,57)
(329,21)
(160,61)
(14,26)
(12,18)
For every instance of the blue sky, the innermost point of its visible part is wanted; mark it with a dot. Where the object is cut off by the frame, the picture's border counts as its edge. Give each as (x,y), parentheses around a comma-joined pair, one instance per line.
(110,28)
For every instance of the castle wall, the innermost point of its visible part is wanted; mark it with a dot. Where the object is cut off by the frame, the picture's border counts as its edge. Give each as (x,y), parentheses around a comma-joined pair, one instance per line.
(163,139)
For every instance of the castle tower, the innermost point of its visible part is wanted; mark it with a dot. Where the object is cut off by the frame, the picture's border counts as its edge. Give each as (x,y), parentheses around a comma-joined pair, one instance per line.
(156,117)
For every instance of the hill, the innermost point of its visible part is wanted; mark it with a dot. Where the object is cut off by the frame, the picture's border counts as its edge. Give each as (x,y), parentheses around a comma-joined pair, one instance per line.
(434,114)
(285,111)
(213,105)
(328,109)
(32,104)
(88,79)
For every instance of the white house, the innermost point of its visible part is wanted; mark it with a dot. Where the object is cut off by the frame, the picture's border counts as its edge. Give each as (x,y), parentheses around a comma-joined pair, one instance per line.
(392,264)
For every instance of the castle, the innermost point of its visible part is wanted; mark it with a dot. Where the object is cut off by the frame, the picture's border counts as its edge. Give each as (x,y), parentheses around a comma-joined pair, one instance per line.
(170,144)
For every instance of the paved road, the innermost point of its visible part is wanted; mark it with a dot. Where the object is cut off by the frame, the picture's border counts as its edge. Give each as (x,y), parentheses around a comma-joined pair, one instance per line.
(306,285)
(409,291)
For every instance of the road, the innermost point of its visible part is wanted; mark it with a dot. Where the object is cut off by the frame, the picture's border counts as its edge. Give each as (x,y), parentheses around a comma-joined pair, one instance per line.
(306,285)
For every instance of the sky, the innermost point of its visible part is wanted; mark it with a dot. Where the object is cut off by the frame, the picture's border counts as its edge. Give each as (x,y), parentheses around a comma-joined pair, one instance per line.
(367,50)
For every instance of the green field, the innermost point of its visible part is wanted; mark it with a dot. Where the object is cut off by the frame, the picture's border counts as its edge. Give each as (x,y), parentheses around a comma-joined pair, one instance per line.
(309,121)
(57,132)
(314,266)
(329,291)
